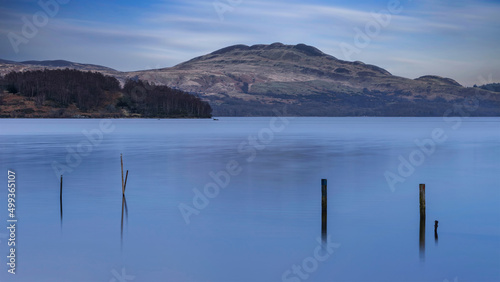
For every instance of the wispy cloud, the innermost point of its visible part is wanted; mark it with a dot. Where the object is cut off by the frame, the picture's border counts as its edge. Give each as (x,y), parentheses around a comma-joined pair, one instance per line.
(165,33)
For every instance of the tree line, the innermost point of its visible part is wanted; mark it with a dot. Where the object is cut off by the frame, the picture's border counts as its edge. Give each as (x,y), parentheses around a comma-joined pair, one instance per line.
(495,87)
(161,101)
(93,91)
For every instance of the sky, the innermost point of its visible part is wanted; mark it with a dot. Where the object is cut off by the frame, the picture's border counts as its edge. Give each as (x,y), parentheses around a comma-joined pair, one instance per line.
(458,39)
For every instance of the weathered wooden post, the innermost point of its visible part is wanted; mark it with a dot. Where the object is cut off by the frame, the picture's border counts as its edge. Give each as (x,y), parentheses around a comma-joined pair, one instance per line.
(422,221)
(60,197)
(323,207)
(422,200)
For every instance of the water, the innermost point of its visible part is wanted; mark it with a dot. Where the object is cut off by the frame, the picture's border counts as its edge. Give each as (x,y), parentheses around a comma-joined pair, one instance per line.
(268,217)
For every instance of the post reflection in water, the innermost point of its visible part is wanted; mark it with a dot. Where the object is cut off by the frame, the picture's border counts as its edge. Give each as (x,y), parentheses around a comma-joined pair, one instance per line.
(60,203)
(422,238)
(124,208)
(436,231)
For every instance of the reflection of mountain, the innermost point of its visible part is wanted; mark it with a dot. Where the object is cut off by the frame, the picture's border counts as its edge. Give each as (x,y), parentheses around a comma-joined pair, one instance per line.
(253,80)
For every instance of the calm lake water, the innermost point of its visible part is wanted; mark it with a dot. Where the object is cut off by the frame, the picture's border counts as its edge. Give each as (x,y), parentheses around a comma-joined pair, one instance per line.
(265,223)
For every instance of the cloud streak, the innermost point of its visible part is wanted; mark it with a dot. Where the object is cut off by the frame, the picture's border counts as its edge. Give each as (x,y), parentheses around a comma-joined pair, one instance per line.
(166,33)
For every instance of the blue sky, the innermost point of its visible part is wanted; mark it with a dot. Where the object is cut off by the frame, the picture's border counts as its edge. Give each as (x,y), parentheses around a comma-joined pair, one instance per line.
(457,39)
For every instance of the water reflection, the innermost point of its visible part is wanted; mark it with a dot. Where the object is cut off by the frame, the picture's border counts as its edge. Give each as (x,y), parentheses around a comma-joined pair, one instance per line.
(422,238)
(436,231)
(61,205)
(124,208)
(277,209)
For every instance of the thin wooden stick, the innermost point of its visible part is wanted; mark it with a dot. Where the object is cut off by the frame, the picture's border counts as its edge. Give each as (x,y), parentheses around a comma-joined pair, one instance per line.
(123,184)
(60,198)
(323,207)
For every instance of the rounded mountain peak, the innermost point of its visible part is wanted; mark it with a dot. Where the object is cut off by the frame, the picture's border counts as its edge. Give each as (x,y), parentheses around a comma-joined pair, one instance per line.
(434,79)
(303,48)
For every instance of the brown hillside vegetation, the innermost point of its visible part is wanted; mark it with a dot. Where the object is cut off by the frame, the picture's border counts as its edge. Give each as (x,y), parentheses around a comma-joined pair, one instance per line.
(73,93)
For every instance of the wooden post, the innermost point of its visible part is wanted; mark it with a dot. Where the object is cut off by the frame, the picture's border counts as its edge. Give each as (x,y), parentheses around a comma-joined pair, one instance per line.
(422,200)
(323,206)
(422,221)
(60,198)
(123,184)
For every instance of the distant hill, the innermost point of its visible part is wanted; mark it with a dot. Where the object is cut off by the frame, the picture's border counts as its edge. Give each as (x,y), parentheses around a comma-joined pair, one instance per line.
(434,79)
(243,80)
(65,64)
(253,80)
(495,87)
(9,66)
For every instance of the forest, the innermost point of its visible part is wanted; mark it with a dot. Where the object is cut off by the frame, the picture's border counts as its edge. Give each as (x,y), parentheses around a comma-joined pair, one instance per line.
(92,92)
(495,87)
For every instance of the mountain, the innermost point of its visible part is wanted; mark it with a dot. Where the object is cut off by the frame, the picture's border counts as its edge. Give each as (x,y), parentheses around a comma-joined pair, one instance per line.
(6,62)
(254,80)
(243,80)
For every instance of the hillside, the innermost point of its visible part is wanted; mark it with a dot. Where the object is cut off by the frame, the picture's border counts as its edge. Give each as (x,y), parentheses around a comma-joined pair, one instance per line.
(10,66)
(254,80)
(73,93)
